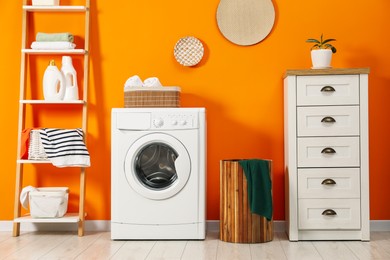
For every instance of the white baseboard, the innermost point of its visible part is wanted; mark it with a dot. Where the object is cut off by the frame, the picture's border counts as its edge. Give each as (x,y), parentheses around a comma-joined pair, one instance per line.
(105,225)
(380,225)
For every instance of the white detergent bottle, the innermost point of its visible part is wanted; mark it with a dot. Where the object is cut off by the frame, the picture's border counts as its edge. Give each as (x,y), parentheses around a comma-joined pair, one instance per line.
(71,92)
(53,83)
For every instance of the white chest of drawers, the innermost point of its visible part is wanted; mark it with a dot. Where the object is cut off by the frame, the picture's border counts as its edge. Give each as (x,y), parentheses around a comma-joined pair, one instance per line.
(326,154)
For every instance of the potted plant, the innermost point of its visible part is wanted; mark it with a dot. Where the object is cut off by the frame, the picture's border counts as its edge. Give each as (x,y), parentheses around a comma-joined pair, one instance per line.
(321,52)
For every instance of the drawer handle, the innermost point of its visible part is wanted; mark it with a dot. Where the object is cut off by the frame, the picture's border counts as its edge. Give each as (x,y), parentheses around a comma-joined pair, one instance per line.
(328,150)
(329,212)
(328,119)
(328,182)
(328,89)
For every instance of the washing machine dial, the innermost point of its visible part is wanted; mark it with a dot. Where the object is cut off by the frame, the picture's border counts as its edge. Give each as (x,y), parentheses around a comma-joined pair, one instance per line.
(174,122)
(182,122)
(158,122)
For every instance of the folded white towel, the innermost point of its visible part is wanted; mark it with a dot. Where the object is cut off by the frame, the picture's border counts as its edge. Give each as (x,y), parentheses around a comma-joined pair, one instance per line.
(134,81)
(52,45)
(65,147)
(152,82)
(24,198)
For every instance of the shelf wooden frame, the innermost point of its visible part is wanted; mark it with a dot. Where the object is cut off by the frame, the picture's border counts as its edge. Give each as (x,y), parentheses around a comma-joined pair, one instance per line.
(55,8)
(55,52)
(79,217)
(46,102)
(67,218)
(32,161)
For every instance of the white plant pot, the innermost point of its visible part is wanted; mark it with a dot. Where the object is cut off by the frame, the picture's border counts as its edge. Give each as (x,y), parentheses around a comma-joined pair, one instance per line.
(321,59)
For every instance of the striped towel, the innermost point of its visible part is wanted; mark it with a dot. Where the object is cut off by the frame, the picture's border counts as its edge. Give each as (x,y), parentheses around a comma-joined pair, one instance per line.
(65,147)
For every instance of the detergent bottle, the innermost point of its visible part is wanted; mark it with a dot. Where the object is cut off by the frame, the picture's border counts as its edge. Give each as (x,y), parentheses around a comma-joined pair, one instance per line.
(71,90)
(53,83)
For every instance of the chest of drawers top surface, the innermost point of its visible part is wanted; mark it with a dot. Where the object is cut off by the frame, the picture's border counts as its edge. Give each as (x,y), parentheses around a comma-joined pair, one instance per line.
(335,71)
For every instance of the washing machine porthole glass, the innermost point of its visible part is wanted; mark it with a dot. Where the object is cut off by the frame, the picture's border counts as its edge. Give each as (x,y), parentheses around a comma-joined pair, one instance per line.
(155,166)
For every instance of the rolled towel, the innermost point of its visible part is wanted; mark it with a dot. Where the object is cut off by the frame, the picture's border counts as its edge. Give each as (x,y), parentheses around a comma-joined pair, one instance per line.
(134,81)
(52,45)
(54,37)
(152,82)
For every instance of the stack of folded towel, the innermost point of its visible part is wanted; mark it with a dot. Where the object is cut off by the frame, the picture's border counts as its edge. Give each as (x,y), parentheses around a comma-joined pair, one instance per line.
(53,41)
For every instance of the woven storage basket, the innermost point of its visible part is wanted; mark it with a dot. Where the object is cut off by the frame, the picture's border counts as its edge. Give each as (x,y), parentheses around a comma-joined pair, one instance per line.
(35,149)
(152,97)
(188,51)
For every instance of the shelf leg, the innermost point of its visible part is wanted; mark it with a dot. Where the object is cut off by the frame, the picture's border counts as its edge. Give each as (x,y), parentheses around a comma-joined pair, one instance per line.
(17,206)
(81,203)
(16,229)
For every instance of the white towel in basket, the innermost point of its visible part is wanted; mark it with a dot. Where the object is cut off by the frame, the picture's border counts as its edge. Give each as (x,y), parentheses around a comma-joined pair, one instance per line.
(24,198)
(152,82)
(65,147)
(133,81)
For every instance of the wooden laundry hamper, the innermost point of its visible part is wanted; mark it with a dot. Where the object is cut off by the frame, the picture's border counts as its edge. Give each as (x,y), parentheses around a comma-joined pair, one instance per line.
(237,223)
(152,97)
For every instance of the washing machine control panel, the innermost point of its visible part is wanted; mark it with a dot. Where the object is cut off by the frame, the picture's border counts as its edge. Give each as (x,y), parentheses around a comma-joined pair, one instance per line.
(174,120)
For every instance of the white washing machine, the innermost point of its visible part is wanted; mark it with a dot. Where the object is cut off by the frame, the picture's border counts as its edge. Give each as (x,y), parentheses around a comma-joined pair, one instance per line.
(158,166)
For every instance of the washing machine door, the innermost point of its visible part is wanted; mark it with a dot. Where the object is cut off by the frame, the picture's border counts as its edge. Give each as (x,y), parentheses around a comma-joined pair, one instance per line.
(157,166)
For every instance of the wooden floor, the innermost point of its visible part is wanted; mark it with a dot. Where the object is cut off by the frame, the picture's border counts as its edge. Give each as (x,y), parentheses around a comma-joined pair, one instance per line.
(98,245)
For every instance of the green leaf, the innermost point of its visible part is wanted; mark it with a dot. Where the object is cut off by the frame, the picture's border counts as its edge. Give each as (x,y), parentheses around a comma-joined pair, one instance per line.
(312,41)
(328,40)
(322,44)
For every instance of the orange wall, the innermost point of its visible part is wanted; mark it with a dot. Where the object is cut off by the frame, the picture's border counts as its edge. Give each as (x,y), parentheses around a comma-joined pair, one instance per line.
(241,87)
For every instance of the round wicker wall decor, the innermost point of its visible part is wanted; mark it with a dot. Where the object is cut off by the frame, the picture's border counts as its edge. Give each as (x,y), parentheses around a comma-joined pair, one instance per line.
(188,51)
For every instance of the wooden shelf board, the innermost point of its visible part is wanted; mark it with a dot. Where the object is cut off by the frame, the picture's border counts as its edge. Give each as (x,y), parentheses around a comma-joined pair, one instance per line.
(54,8)
(71,51)
(68,218)
(33,161)
(43,102)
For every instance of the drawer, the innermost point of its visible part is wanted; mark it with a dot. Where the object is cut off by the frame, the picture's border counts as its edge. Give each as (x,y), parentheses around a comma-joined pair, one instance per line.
(328,152)
(328,121)
(328,90)
(329,214)
(328,183)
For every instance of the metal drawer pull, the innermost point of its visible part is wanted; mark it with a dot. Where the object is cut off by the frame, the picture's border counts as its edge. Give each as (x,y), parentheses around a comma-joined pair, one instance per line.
(328,89)
(328,150)
(328,119)
(329,212)
(328,182)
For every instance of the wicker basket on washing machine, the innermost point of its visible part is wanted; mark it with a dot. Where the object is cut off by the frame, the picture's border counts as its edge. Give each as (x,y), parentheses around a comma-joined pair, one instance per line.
(152,97)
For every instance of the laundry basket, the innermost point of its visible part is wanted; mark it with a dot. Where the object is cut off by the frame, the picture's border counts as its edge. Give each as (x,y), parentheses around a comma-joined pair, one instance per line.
(49,202)
(35,149)
(152,97)
(237,223)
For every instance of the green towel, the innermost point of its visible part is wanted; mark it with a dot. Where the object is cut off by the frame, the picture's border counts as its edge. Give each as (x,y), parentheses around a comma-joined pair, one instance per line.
(259,186)
(54,37)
